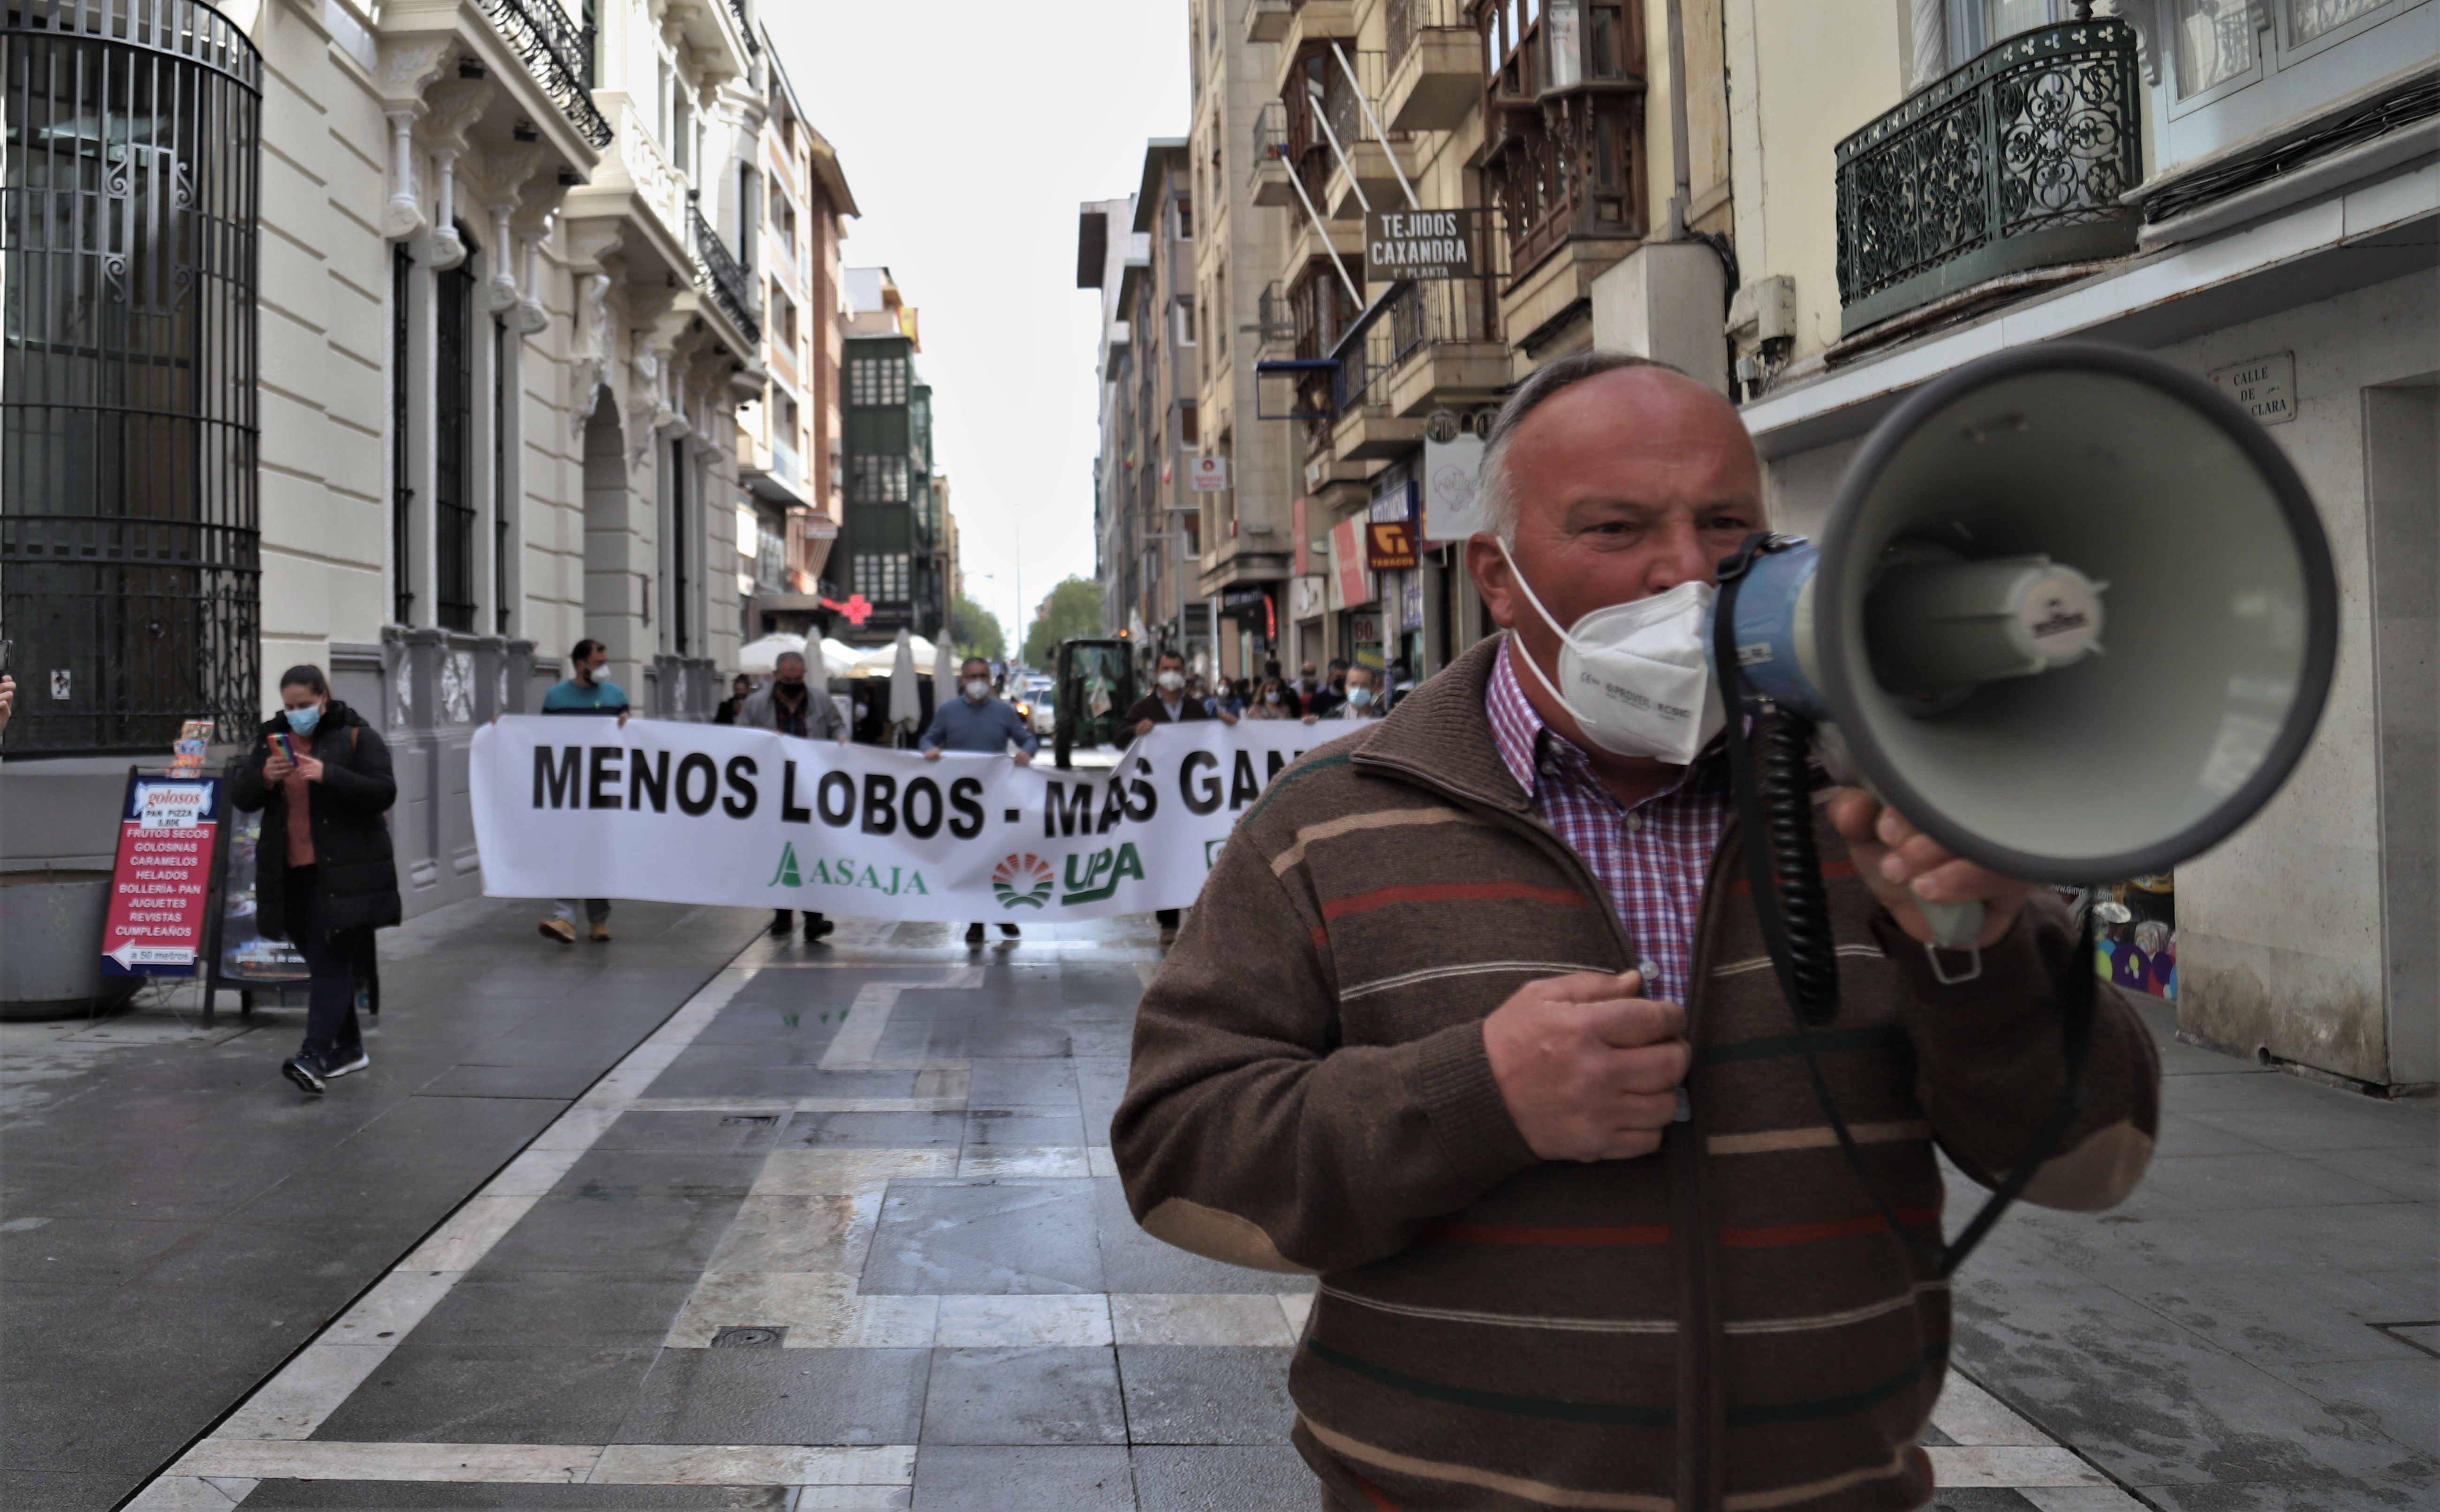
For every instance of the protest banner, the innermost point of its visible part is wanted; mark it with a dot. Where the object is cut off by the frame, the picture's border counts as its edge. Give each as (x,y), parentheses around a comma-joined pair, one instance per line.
(706,814)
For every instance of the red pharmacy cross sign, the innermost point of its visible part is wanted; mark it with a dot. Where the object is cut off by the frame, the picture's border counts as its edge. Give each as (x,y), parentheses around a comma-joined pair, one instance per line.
(163,877)
(856,608)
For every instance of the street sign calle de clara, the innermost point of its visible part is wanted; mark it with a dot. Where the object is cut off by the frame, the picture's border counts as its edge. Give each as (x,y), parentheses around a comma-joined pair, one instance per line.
(2265,386)
(1421,244)
(162,879)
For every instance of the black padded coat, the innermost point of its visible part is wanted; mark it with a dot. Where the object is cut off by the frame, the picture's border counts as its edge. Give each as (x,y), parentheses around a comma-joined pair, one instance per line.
(356,874)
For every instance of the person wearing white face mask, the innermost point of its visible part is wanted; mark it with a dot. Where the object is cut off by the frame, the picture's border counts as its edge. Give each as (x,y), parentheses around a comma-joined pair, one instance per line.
(976,721)
(1170,702)
(1474,1020)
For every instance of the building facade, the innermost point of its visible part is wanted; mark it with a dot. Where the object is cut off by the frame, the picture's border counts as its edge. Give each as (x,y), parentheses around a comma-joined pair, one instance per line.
(896,542)
(459,299)
(2249,191)
(791,452)
(1105,242)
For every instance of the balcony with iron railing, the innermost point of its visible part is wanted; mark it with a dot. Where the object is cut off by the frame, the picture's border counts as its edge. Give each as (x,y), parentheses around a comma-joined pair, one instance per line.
(719,274)
(1267,180)
(559,54)
(2013,164)
(1267,19)
(1563,127)
(1435,66)
(1423,346)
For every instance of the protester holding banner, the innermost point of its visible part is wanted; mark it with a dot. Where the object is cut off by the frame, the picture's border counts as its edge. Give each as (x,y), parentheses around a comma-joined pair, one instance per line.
(1272,701)
(976,720)
(739,689)
(1171,701)
(584,692)
(788,706)
(325,876)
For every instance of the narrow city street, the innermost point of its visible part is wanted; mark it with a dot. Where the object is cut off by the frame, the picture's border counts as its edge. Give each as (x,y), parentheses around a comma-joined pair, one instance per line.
(842,1232)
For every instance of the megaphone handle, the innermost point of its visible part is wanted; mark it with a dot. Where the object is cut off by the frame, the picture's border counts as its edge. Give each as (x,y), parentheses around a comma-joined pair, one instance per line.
(1954,927)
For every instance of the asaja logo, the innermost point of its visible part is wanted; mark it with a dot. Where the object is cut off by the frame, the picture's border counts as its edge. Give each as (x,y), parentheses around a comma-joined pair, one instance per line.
(1022,881)
(845,871)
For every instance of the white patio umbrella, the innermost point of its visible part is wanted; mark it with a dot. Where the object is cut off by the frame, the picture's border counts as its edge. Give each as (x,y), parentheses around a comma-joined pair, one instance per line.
(906,702)
(758,658)
(882,661)
(839,657)
(945,671)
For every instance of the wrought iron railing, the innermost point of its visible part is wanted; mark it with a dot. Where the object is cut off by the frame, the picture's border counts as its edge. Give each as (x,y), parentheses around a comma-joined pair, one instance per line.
(1413,317)
(2016,161)
(745,27)
(558,53)
(719,274)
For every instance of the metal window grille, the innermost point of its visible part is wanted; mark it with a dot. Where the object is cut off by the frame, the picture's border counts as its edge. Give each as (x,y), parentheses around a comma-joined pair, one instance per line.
(130,558)
(884,576)
(500,505)
(678,585)
(453,427)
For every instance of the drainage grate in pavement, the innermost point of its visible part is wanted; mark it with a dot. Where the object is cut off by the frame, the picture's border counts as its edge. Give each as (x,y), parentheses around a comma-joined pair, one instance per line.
(2423,1336)
(753,1336)
(748,1120)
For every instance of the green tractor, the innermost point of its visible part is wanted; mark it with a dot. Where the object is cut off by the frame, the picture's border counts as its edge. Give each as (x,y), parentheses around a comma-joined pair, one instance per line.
(1089,702)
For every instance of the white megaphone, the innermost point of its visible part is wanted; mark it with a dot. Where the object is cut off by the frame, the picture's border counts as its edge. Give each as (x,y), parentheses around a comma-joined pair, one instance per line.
(2073,614)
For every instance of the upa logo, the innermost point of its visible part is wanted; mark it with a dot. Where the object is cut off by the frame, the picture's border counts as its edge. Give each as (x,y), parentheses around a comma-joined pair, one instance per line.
(1104,871)
(1022,881)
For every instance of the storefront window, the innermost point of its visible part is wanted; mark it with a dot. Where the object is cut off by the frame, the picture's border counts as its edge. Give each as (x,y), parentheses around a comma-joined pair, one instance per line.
(2216,44)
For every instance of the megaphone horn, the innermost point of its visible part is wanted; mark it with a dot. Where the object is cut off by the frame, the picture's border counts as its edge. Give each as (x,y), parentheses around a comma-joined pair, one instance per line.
(2057,562)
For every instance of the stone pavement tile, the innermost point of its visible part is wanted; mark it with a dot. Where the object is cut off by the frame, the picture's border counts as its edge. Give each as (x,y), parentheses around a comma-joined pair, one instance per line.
(1978,1499)
(2150,1402)
(799,1232)
(2265,1323)
(2343,1121)
(2011,1467)
(492,1393)
(1001,1037)
(987,1322)
(2182,1135)
(820,1310)
(1223,1478)
(847,1171)
(660,1173)
(85,1251)
(606,1231)
(975,1237)
(2398,1398)
(1249,1318)
(1135,1261)
(2295,1243)
(558,1312)
(992,1161)
(874,1132)
(2334,1495)
(765,1079)
(957,1478)
(2248,1179)
(781,1396)
(1030,1128)
(556,1081)
(2404,1170)
(1022,1083)
(1188,1393)
(1022,1397)
(332,1496)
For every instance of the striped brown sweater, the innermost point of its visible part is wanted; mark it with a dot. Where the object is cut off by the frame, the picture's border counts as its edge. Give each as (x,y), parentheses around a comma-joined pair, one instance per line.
(1726,1324)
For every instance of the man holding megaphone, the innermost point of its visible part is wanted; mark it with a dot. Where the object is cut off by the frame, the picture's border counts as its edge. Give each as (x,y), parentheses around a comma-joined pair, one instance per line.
(1485,1019)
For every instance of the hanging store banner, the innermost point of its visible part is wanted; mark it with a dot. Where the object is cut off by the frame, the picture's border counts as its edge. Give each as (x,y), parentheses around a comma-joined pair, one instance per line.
(1452,495)
(1421,244)
(707,813)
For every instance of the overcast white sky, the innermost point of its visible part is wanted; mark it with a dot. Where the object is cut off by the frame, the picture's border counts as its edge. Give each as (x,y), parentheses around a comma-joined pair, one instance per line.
(970,130)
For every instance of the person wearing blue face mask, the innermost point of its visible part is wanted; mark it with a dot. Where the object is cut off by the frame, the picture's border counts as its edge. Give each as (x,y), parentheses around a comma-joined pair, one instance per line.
(1363,701)
(325,876)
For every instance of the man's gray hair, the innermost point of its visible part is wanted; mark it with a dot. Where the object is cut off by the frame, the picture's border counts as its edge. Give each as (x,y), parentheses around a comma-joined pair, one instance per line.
(785,657)
(1498,492)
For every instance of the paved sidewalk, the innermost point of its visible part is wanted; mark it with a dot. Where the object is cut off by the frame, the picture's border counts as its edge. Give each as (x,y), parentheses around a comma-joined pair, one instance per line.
(843,1235)
(175,1219)
(2255,1330)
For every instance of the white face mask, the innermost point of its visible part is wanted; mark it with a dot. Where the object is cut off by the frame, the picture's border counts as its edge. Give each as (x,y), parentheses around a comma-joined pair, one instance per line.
(1635,675)
(978,690)
(1171,682)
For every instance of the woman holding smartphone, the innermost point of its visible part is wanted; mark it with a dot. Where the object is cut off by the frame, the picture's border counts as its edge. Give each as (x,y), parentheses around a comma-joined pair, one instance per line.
(324,875)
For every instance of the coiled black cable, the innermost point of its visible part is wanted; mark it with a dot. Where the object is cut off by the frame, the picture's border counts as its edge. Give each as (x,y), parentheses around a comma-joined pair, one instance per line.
(1804,902)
